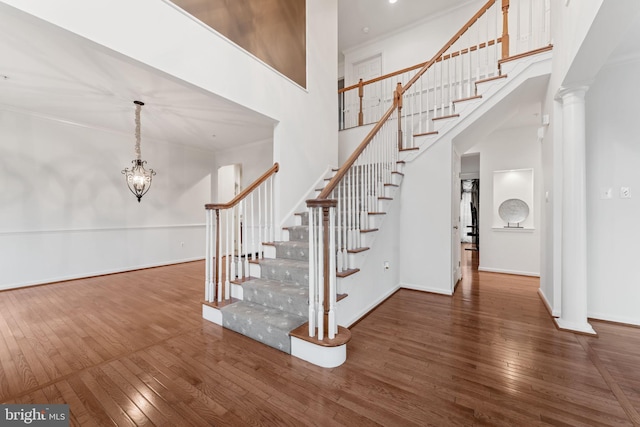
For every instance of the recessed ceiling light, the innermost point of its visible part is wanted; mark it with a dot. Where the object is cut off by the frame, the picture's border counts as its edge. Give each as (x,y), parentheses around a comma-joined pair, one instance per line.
(392,1)
(365,30)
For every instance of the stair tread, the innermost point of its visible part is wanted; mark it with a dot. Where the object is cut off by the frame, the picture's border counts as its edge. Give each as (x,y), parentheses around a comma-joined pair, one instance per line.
(284,296)
(450,116)
(296,249)
(357,250)
(264,324)
(288,270)
(346,273)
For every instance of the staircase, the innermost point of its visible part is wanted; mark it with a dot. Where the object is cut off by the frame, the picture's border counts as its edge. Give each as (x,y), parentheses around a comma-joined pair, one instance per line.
(289,299)
(278,301)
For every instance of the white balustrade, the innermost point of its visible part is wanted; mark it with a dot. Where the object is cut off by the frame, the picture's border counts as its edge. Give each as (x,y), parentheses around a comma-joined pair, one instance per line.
(236,233)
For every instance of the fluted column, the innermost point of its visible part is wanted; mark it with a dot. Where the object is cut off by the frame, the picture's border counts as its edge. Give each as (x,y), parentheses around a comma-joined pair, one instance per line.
(574,213)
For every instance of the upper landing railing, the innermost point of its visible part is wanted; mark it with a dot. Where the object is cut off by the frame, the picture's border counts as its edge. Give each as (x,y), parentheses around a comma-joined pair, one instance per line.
(408,103)
(505,29)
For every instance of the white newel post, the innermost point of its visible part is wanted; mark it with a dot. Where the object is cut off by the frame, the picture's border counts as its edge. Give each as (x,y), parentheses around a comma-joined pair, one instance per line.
(574,213)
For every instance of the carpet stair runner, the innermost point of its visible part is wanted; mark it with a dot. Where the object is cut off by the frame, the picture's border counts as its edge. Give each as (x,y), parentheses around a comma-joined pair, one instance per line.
(278,301)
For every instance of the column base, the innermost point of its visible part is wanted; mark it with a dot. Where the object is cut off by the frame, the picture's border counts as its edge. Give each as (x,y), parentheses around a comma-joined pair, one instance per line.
(579,328)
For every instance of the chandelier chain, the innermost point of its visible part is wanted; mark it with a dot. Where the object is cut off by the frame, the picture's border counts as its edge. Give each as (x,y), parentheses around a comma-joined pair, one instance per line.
(137,147)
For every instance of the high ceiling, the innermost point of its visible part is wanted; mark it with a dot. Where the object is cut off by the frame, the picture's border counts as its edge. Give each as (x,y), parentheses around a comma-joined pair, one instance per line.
(363,20)
(53,73)
(47,71)
(50,72)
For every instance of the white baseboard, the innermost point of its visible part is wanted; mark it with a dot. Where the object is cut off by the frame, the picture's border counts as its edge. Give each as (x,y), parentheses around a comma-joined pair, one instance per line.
(366,310)
(97,273)
(426,289)
(545,301)
(616,319)
(516,272)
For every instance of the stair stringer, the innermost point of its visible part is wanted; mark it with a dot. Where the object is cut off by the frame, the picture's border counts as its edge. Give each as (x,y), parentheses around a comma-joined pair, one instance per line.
(493,93)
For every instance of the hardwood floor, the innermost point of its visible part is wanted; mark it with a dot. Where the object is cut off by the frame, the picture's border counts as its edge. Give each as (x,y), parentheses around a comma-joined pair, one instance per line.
(132,349)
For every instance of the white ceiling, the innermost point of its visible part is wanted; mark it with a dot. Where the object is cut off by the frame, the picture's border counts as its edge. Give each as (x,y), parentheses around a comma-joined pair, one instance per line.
(381,17)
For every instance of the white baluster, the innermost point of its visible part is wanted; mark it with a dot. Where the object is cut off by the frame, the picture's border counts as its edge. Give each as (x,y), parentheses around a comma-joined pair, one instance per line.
(260,223)
(312,271)
(244,237)
(342,204)
(207,255)
(253,226)
(231,274)
(219,261)
(320,285)
(240,241)
(228,251)
(338,232)
(332,326)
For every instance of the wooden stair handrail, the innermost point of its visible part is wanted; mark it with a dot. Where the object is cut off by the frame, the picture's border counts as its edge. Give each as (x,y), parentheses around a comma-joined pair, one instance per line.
(244,193)
(331,185)
(450,43)
(420,65)
(328,189)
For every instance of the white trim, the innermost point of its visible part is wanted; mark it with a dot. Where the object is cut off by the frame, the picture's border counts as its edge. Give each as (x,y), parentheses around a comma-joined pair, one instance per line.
(617,319)
(100,229)
(584,328)
(211,314)
(545,301)
(426,289)
(52,280)
(241,49)
(325,357)
(503,271)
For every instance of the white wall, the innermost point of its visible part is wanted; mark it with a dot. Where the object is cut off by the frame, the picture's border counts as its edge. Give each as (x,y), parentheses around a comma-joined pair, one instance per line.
(255,159)
(66,210)
(413,45)
(425,221)
(584,35)
(503,250)
(613,156)
(373,284)
(305,139)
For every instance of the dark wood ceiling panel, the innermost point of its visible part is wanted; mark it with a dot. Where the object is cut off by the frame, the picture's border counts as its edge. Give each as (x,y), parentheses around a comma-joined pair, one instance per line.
(272,30)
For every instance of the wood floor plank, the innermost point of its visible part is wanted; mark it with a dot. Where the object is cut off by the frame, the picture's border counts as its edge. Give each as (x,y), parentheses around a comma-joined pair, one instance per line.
(133,349)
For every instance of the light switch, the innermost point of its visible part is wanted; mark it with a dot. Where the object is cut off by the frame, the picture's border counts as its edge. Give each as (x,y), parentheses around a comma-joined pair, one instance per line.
(625,192)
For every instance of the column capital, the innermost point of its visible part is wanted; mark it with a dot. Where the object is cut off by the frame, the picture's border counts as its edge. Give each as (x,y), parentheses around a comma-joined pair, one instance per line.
(565,94)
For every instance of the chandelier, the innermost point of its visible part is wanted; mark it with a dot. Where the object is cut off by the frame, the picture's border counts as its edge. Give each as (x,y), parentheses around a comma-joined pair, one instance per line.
(138,178)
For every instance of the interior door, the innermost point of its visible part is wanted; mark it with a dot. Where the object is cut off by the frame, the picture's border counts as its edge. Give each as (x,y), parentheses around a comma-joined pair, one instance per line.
(368,69)
(455,221)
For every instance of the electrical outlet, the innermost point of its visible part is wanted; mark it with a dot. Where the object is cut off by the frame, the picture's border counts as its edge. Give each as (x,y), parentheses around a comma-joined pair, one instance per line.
(625,192)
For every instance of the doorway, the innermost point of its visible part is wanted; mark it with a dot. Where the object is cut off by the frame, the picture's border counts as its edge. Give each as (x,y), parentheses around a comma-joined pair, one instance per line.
(469,213)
